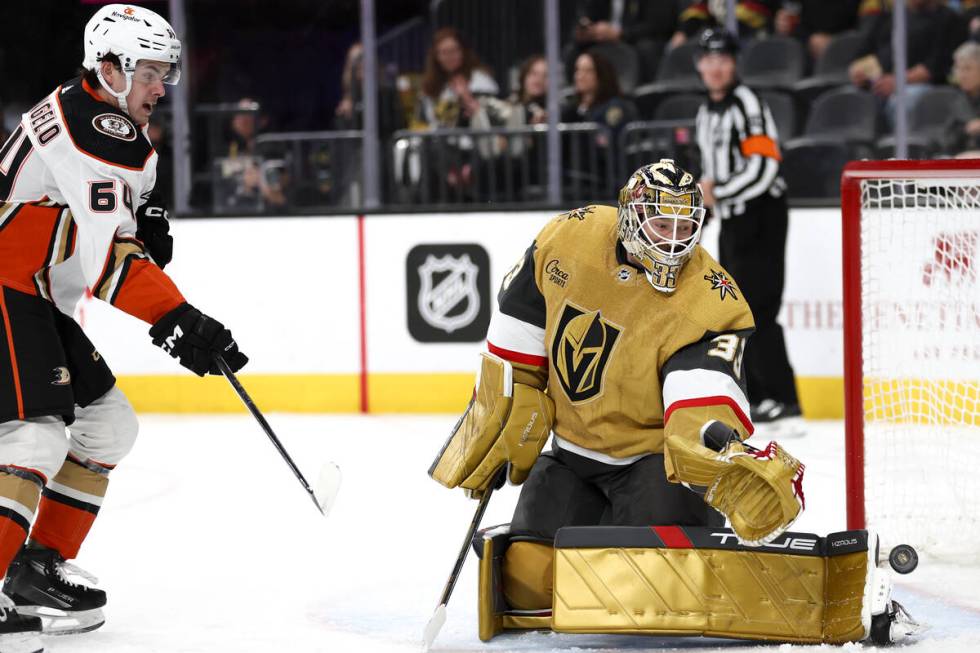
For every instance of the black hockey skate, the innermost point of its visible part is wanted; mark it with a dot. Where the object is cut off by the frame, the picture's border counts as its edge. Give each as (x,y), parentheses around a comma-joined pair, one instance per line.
(19,633)
(778,419)
(39,583)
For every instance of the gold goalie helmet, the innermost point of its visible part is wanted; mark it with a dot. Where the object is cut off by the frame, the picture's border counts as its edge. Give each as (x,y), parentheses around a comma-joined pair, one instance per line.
(660,217)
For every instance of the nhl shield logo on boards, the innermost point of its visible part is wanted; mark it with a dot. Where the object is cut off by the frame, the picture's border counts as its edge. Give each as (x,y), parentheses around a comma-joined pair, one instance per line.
(114,125)
(448,293)
(456,288)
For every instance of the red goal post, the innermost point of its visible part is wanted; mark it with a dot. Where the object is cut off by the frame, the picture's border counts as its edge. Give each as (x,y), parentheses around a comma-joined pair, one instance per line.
(910,232)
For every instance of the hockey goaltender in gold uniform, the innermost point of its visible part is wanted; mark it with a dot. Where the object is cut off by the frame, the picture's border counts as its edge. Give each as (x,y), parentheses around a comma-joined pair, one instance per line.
(619,334)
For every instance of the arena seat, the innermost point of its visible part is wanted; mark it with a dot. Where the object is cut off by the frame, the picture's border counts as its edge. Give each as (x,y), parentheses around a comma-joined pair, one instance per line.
(775,62)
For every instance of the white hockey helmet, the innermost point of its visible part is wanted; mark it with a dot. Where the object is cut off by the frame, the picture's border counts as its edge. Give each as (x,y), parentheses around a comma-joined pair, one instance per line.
(661,213)
(131,33)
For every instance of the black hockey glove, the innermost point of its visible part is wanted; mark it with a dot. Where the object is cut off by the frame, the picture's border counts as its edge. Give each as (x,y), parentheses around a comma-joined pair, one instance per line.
(192,337)
(153,229)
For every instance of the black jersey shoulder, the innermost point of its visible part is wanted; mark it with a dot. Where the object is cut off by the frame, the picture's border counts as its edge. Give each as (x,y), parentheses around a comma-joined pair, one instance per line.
(101,130)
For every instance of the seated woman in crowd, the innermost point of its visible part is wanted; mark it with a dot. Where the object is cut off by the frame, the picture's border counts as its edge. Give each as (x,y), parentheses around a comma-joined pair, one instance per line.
(453,84)
(453,81)
(597,99)
(349,113)
(532,91)
(597,96)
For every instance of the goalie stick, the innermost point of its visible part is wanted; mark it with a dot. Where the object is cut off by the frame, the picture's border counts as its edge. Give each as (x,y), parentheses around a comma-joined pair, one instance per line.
(439,616)
(328,481)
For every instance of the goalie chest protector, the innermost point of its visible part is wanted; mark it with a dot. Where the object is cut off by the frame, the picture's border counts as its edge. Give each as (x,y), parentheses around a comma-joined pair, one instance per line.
(608,333)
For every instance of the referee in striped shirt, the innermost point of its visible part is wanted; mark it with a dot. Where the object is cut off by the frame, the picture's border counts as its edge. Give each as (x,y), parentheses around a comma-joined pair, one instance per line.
(741,183)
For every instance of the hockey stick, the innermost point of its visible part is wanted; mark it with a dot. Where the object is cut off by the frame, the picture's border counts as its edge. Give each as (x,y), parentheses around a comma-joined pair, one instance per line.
(439,616)
(328,482)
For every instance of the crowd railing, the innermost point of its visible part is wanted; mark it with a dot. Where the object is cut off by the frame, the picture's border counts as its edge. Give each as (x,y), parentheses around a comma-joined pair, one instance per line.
(441,169)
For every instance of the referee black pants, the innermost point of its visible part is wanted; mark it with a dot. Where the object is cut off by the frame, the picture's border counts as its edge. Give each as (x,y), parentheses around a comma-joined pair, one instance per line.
(752,248)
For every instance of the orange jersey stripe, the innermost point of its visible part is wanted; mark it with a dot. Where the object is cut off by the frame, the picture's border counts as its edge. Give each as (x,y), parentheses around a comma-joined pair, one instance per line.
(13,354)
(25,243)
(762,145)
(145,291)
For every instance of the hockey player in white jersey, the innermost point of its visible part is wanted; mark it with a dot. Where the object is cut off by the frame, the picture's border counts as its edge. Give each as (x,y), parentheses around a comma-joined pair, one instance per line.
(77,212)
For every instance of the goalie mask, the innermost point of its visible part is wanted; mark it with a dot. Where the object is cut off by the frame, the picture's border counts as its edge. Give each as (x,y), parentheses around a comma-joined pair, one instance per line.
(660,217)
(131,33)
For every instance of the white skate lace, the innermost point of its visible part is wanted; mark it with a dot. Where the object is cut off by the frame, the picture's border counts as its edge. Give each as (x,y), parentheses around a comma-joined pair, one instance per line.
(66,570)
(6,606)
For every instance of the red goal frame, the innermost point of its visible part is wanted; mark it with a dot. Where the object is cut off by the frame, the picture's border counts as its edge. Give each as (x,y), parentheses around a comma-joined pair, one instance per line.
(854,173)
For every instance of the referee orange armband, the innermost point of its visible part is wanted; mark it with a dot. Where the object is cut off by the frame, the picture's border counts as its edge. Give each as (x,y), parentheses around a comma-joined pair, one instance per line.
(763,145)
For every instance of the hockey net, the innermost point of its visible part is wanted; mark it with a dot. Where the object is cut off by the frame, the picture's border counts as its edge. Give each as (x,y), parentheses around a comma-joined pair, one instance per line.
(912,352)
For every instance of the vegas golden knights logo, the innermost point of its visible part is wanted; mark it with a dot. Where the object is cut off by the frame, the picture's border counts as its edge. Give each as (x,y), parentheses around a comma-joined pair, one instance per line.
(583,342)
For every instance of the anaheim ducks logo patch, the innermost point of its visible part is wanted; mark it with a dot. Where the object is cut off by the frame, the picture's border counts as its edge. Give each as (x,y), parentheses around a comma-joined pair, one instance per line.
(114,125)
(582,345)
(60,376)
(720,282)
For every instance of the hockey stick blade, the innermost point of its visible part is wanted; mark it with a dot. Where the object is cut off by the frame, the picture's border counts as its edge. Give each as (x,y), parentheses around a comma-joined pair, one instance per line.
(433,627)
(326,487)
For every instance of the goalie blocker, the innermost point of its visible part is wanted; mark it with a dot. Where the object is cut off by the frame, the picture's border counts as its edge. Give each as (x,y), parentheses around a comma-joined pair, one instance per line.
(673,580)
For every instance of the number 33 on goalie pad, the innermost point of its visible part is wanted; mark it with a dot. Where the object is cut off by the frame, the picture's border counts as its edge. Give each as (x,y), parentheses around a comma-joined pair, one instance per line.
(505,422)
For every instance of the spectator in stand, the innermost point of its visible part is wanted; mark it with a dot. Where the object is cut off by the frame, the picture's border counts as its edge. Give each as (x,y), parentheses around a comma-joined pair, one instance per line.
(245,180)
(349,113)
(755,18)
(532,90)
(453,81)
(963,132)
(645,26)
(455,88)
(597,99)
(353,73)
(529,106)
(932,33)
(597,96)
(815,22)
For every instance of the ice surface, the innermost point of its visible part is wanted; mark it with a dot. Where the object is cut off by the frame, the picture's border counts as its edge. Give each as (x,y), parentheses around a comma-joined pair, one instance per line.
(206,542)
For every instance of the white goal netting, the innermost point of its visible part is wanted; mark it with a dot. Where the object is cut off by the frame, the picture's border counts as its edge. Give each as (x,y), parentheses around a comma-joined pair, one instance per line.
(920,314)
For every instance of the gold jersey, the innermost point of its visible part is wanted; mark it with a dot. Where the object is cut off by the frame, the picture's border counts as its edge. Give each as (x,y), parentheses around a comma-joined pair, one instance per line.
(623,362)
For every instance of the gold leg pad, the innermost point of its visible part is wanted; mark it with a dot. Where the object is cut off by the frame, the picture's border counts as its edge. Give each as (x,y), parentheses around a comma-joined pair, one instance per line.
(528,575)
(740,594)
(489,614)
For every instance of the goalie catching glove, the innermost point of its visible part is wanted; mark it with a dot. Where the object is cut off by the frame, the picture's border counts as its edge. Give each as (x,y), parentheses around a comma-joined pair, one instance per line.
(759,491)
(505,423)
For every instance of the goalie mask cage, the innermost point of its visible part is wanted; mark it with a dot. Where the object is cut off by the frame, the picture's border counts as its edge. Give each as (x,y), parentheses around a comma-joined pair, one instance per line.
(911,244)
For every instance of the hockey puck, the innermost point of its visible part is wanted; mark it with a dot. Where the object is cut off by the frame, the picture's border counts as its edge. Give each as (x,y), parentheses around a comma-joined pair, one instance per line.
(903,559)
